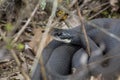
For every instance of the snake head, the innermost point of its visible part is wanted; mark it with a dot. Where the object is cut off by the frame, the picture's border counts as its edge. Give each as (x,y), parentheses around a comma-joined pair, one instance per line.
(63,35)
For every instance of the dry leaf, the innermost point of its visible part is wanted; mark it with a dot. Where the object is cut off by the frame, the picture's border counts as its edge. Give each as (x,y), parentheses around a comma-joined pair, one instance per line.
(36,39)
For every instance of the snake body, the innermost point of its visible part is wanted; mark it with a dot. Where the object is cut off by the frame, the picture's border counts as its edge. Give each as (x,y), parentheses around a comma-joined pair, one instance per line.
(60,59)
(109,70)
(58,66)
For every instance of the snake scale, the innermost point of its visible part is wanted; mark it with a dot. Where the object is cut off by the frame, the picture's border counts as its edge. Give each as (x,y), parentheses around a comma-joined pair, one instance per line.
(60,59)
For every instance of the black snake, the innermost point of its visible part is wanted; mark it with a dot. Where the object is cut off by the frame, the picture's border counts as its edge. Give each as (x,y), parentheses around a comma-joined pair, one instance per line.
(60,58)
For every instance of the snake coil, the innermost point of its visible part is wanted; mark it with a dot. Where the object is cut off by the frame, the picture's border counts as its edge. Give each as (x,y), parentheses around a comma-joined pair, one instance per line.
(60,58)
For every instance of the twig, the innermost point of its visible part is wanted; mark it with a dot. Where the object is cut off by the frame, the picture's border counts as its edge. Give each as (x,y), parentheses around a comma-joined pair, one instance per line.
(99,12)
(72,3)
(43,40)
(89,11)
(3,36)
(19,65)
(16,58)
(101,5)
(16,38)
(84,30)
(26,24)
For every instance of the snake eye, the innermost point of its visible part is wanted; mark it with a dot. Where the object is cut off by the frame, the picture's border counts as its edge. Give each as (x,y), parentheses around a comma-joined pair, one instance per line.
(59,34)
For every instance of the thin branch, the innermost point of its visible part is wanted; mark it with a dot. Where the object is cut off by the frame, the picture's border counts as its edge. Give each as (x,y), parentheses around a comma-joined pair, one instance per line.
(99,12)
(16,58)
(72,3)
(84,30)
(16,38)
(3,36)
(43,40)
(100,5)
(26,24)
(19,65)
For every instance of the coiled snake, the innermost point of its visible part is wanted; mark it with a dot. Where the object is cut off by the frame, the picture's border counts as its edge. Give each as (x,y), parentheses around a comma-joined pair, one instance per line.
(60,58)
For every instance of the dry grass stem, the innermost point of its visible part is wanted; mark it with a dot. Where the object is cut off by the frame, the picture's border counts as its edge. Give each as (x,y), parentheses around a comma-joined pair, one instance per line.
(84,30)
(26,24)
(43,40)
(99,12)
(16,59)
(19,65)
(72,3)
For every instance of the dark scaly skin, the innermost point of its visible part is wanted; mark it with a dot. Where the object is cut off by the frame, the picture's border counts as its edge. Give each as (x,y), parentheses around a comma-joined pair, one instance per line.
(92,35)
(45,54)
(111,25)
(58,63)
(60,60)
(77,60)
(111,69)
(58,66)
(112,49)
(80,41)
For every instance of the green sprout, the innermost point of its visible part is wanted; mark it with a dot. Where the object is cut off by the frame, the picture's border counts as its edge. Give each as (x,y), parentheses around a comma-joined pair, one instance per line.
(43,4)
(20,46)
(9,27)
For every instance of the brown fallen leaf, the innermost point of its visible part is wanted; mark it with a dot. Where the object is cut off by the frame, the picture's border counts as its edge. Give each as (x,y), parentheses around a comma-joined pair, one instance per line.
(36,39)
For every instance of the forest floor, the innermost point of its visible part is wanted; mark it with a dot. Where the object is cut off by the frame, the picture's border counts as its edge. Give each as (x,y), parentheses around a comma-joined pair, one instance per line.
(23,22)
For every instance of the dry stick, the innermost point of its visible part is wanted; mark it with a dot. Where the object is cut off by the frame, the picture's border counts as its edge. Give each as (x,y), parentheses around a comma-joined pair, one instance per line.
(5,39)
(19,65)
(26,24)
(84,31)
(36,61)
(3,36)
(99,12)
(107,3)
(16,59)
(72,3)
(43,40)
(101,5)
(16,38)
